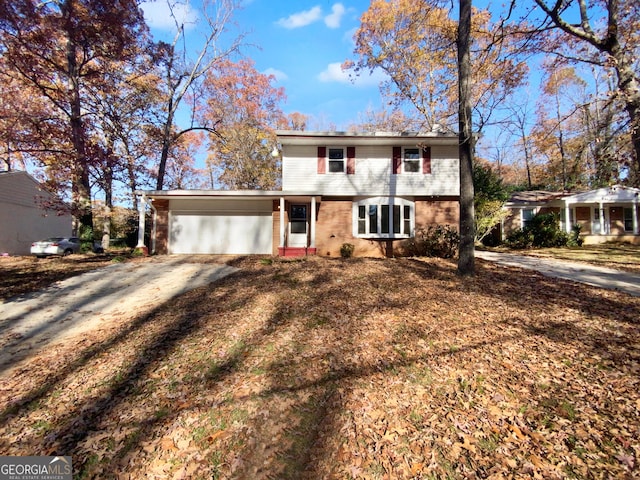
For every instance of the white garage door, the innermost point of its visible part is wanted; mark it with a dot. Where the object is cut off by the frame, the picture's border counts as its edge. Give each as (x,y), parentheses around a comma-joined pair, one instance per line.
(221,233)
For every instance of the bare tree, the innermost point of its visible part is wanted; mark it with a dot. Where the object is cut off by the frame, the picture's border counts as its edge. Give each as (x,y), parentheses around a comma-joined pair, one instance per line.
(181,75)
(612,44)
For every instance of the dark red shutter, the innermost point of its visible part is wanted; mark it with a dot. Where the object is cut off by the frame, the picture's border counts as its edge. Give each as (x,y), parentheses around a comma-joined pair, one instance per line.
(351,160)
(322,159)
(397,159)
(426,159)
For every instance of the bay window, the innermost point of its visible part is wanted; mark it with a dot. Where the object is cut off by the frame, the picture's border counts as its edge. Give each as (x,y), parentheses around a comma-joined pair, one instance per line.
(384,217)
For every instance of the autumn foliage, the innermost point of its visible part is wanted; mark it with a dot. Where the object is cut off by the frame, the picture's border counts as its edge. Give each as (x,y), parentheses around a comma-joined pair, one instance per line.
(245,106)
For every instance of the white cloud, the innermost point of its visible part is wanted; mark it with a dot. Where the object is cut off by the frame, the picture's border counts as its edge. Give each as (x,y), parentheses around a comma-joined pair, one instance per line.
(158,15)
(335,17)
(335,73)
(279,74)
(301,19)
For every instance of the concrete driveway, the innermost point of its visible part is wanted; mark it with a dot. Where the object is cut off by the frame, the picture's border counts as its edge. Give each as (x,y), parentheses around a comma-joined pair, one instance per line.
(31,323)
(578,272)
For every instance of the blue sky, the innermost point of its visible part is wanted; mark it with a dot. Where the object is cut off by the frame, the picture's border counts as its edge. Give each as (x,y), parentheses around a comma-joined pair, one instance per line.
(303,43)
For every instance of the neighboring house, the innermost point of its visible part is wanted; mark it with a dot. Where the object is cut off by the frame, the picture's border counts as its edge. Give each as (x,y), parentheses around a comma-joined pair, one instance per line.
(23,216)
(369,190)
(610,214)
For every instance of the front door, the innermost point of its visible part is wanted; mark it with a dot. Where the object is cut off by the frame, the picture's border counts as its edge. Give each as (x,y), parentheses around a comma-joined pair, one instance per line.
(298,226)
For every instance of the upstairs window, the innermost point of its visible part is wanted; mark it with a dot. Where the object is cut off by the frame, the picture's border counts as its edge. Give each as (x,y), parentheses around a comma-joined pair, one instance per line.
(336,160)
(382,217)
(411,160)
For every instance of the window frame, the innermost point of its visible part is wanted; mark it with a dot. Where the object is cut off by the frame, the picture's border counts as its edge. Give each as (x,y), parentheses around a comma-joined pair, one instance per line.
(523,221)
(404,159)
(628,218)
(595,221)
(343,160)
(295,221)
(399,213)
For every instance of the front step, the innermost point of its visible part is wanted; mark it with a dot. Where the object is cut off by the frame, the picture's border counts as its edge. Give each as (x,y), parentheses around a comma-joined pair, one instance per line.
(296,251)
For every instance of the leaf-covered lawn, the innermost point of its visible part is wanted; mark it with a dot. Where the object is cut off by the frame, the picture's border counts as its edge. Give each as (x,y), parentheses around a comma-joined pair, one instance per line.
(20,275)
(620,256)
(360,368)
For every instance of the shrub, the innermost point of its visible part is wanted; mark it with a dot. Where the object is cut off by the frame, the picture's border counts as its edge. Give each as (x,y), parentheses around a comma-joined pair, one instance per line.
(542,231)
(346,250)
(546,231)
(433,241)
(574,238)
(520,239)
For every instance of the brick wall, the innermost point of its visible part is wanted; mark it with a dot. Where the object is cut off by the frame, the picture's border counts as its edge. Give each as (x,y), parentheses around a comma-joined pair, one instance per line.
(616,221)
(444,211)
(276,226)
(583,218)
(335,226)
(162,226)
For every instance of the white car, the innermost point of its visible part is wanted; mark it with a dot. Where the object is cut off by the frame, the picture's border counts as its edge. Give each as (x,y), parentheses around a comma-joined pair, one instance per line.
(55,246)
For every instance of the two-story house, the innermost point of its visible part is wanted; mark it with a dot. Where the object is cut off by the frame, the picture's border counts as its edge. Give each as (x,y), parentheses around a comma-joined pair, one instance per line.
(371,190)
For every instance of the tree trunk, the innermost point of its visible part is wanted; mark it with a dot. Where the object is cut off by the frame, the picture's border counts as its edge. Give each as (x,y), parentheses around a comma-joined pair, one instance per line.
(80,184)
(108,204)
(166,145)
(466,260)
(630,88)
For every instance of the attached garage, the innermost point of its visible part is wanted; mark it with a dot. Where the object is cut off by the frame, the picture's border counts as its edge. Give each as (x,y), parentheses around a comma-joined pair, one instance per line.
(220,226)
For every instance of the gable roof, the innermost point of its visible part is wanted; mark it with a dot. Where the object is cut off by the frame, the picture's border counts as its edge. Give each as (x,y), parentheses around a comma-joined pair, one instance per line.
(613,194)
(17,187)
(534,197)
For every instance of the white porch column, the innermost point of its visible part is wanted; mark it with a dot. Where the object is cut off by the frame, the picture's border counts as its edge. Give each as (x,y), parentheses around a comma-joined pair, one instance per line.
(601,211)
(312,240)
(635,218)
(282,224)
(567,218)
(142,204)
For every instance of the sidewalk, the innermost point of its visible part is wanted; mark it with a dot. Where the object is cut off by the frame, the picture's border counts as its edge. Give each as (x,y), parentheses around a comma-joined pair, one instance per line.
(578,272)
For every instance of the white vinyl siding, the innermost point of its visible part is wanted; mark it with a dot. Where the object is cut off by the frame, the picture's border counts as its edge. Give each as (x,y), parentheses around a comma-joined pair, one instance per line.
(23,218)
(373,173)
